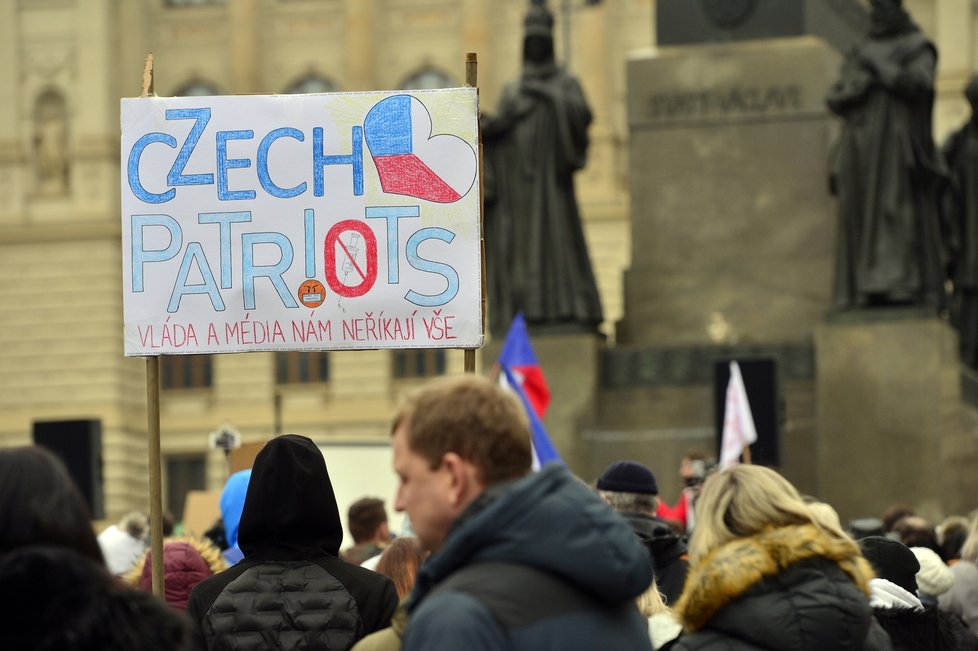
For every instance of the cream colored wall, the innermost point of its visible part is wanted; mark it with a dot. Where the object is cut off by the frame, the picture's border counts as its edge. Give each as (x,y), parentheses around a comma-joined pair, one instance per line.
(60,300)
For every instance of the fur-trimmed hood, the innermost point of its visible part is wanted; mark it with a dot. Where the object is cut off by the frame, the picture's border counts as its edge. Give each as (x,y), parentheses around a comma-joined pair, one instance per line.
(790,587)
(726,573)
(186,562)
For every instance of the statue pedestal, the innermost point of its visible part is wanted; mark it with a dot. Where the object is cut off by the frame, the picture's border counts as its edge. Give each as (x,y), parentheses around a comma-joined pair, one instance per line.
(571,364)
(889,417)
(738,226)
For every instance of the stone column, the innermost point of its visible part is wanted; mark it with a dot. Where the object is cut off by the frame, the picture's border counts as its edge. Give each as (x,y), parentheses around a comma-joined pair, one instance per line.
(591,63)
(361,45)
(11,152)
(243,54)
(475,38)
(954,34)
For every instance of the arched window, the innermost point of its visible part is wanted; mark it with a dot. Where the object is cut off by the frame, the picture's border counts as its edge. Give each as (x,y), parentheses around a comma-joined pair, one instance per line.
(198,89)
(51,144)
(428,78)
(311,83)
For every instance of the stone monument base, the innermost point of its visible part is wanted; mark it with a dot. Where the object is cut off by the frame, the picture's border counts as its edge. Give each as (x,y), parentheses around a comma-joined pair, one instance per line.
(889,418)
(571,364)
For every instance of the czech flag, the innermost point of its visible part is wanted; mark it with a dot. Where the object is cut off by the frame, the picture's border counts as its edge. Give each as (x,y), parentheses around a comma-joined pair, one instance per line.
(520,372)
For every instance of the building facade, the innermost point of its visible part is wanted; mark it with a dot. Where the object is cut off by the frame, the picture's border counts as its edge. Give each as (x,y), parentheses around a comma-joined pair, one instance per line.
(64,65)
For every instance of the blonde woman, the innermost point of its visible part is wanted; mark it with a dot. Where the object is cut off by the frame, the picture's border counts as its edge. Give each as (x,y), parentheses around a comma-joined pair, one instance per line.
(768,573)
(663,625)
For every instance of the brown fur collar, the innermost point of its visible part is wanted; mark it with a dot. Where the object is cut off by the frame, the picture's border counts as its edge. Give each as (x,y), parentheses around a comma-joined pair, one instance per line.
(727,572)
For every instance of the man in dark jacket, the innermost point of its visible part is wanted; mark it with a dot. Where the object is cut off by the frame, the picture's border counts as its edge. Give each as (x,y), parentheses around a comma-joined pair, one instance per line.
(630,488)
(520,560)
(291,591)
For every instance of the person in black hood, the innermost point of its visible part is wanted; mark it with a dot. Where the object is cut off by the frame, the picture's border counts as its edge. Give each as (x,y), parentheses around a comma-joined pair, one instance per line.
(291,591)
(911,625)
(630,488)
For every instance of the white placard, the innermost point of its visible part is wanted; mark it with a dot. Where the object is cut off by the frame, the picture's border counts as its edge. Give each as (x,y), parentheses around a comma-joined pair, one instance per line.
(301,222)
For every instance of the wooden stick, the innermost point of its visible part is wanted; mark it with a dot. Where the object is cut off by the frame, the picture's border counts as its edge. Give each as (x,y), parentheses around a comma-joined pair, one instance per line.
(471,70)
(472,80)
(153,422)
(155,465)
(746,455)
(148,89)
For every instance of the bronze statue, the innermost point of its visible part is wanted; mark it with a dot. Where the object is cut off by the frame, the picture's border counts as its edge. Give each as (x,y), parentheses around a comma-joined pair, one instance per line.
(536,257)
(961,206)
(886,170)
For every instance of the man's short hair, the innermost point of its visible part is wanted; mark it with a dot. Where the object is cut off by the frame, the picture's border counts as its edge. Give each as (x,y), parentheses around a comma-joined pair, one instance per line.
(364,516)
(630,502)
(472,417)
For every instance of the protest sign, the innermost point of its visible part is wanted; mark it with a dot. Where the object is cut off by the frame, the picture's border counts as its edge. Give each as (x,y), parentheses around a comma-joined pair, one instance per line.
(301,222)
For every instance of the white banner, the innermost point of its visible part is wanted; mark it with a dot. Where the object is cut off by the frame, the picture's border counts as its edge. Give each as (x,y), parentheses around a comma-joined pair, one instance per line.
(301,222)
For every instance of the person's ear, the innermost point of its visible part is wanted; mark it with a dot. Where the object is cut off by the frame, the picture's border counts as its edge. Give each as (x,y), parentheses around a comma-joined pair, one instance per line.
(460,477)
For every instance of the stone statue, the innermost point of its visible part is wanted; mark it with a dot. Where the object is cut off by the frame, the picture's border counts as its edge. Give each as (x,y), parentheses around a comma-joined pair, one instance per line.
(536,257)
(961,207)
(50,144)
(886,170)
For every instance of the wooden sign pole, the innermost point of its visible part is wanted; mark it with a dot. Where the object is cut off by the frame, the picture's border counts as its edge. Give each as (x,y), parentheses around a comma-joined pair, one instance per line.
(153,421)
(472,80)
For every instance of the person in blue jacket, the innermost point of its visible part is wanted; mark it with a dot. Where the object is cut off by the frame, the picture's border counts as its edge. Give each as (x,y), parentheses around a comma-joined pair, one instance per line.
(520,560)
(232,504)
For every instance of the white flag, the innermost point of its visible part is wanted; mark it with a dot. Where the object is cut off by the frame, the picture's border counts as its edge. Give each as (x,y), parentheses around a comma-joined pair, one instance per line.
(738,422)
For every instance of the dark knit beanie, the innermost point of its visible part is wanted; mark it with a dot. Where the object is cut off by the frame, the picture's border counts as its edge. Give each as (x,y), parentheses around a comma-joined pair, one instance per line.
(628,477)
(865,527)
(892,561)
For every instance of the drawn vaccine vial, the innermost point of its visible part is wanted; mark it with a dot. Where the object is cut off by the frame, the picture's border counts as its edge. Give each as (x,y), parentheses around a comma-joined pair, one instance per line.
(353,247)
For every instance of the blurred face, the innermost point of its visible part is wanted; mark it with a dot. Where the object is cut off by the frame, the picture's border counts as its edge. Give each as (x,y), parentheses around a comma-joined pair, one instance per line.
(427,496)
(537,49)
(884,6)
(692,473)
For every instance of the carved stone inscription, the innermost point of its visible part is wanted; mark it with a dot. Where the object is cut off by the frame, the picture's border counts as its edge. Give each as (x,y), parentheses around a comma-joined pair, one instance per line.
(736,101)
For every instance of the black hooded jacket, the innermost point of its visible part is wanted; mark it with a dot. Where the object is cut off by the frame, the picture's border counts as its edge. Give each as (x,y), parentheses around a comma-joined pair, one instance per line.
(291,591)
(667,550)
(929,629)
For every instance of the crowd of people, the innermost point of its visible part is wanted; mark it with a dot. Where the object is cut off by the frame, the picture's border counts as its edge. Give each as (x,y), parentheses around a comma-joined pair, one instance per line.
(496,556)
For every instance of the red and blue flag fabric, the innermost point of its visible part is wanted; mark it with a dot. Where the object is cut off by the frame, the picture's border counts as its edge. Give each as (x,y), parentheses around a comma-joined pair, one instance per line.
(517,355)
(520,372)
